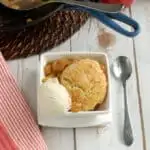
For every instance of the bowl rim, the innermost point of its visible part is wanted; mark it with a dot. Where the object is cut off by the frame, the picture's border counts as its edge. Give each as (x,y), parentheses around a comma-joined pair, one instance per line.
(70,53)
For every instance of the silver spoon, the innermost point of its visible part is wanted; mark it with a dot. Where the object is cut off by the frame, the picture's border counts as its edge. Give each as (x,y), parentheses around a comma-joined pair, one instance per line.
(29,5)
(122,70)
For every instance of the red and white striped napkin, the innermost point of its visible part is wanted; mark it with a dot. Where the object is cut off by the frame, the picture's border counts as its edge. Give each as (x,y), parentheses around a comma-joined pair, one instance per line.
(18,129)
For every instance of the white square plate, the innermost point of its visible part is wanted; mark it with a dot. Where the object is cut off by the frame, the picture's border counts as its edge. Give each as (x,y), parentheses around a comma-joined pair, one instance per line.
(79,119)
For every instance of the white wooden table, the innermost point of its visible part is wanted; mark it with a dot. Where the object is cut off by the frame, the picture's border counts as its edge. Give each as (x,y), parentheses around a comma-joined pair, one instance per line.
(138,93)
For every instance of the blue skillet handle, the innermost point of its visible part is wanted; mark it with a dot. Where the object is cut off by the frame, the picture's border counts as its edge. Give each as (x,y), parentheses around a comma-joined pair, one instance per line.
(108,20)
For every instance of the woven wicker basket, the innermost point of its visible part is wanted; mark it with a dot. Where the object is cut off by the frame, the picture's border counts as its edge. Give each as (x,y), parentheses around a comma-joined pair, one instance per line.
(43,36)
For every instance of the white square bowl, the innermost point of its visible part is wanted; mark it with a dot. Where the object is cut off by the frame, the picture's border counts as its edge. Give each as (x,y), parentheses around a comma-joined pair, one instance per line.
(82,117)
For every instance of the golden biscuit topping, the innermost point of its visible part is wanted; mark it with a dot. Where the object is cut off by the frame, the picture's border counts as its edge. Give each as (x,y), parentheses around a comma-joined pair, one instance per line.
(85,80)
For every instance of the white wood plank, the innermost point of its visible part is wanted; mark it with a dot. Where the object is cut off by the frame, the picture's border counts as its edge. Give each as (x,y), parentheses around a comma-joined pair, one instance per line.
(62,47)
(79,39)
(90,138)
(59,139)
(13,66)
(141,12)
(28,80)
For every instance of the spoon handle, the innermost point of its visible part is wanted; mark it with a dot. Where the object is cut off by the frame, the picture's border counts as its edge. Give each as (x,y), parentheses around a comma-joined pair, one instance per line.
(128,135)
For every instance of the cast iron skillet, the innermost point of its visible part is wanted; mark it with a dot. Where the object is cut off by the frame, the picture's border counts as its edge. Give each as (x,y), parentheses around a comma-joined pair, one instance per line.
(11,20)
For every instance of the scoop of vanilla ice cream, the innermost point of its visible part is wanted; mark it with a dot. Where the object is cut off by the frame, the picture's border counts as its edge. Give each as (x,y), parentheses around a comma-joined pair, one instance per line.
(54,99)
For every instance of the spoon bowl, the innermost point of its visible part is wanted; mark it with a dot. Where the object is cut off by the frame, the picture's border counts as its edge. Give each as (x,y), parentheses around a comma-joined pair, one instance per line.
(122,68)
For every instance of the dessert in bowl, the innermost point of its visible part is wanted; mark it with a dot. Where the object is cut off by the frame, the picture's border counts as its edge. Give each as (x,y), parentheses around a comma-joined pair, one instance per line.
(84,78)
